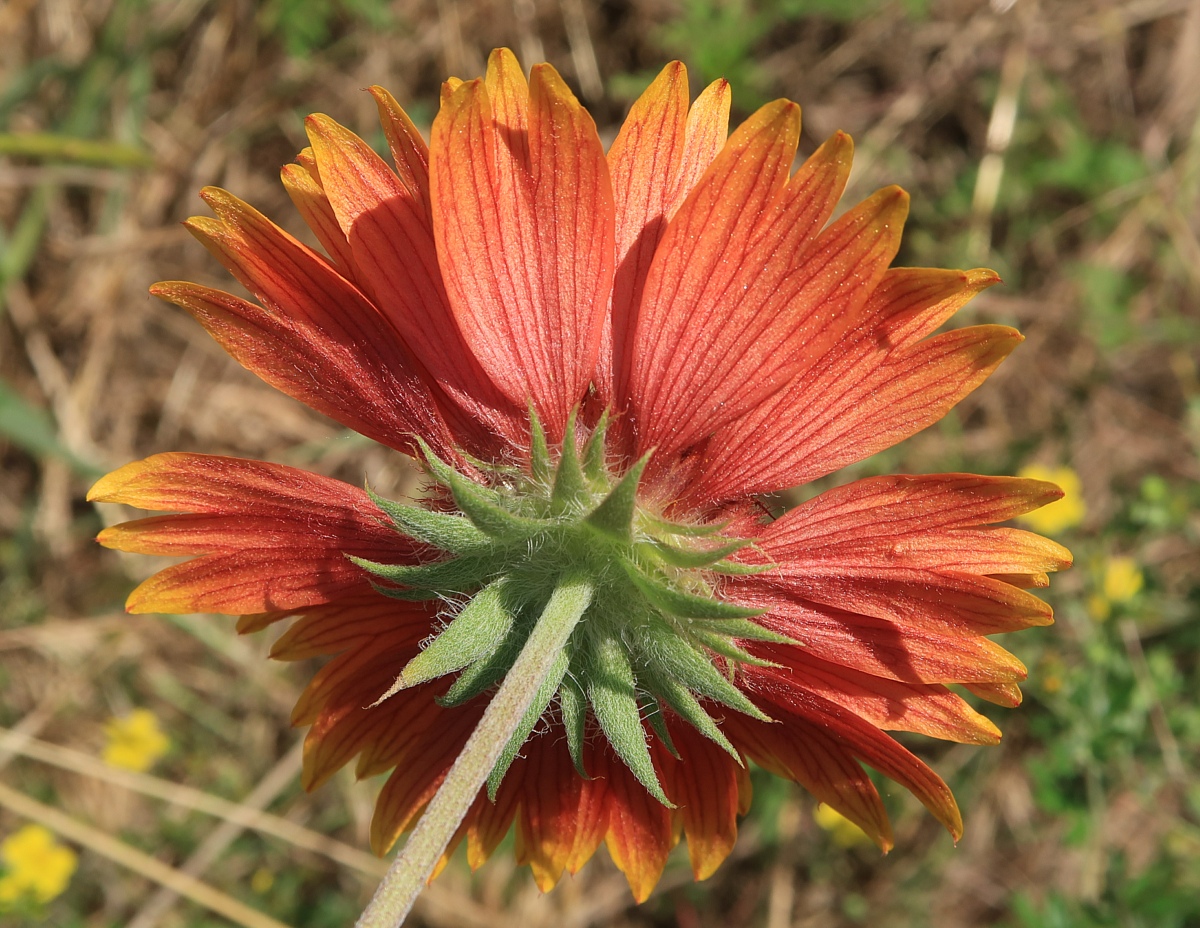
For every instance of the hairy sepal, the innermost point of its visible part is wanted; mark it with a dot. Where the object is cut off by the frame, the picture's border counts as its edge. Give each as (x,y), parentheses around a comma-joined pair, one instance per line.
(473,634)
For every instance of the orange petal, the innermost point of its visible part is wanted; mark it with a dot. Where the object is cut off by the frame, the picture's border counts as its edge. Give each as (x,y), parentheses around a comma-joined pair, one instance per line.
(343,727)
(182,482)
(937,600)
(359,375)
(871,390)
(821,763)
(550,820)
(886,649)
(743,292)
(704,784)
(312,204)
(657,158)
(989,551)
(1002,694)
(911,303)
(275,537)
(488,822)
(890,705)
(413,783)
(334,627)
(876,749)
(639,829)
(882,515)
(409,151)
(522,213)
(390,236)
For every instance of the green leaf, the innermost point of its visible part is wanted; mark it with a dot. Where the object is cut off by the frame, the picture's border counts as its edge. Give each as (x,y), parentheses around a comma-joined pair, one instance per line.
(684,604)
(614,515)
(533,714)
(613,695)
(451,533)
(33,430)
(473,634)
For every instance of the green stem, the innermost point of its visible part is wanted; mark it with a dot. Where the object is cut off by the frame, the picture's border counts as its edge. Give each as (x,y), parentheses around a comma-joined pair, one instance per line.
(411,870)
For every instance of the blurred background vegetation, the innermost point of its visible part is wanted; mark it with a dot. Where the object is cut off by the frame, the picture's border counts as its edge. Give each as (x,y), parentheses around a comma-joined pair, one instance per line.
(1055,140)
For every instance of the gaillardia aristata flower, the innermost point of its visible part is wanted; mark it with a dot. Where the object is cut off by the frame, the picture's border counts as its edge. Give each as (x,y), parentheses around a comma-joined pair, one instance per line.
(601,361)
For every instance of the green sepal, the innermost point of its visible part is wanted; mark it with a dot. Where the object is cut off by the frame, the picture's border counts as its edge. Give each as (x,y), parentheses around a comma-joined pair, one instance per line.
(458,574)
(570,488)
(547,689)
(574,715)
(722,644)
(746,629)
(593,451)
(540,465)
(690,558)
(613,695)
(483,674)
(738,569)
(407,594)
(614,515)
(683,604)
(481,505)
(657,525)
(441,529)
(652,712)
(677,659)
(688,708)
(473,634)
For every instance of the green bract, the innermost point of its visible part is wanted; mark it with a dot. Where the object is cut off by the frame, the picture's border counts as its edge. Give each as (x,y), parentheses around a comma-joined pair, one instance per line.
(655,633)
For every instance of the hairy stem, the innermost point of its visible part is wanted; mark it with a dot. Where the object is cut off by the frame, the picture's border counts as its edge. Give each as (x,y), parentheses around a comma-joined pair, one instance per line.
(412,868)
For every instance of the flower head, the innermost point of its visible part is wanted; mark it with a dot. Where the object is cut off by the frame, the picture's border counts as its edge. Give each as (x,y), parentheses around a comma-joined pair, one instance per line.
(134,741)
(35,866)
(601,360)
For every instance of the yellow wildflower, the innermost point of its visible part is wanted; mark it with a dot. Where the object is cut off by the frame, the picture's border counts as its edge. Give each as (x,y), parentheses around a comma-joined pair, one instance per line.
(262,880)
(1123,579)
(135,741)
(37,866)
(843,831)
(1061,514)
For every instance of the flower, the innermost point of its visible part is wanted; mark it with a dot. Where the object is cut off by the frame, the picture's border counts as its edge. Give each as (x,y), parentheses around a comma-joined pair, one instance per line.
(601,361)
(36,866)
(134,741)
(1066,512)
(1121,581)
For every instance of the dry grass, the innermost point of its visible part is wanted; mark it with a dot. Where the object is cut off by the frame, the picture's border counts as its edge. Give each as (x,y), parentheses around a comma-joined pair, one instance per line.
(970,106)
